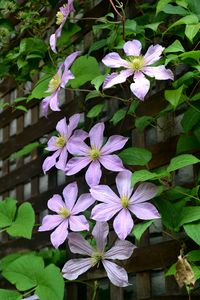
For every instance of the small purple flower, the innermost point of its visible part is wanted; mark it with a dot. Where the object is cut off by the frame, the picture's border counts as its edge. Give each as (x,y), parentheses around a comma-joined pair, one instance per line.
(124,205)
(137,65)
(66,216)
(121,250)
(57,82)
(61,16)
(60,143)
(95,155)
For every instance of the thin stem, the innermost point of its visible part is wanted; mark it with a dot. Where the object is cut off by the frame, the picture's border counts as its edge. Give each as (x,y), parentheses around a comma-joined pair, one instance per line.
(95,290)
(122,16)
(194,107)
(79,281)
(188,195)
(30,291)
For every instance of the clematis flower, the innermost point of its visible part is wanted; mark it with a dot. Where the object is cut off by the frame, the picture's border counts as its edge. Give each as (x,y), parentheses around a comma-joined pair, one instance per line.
(137,65)
(121,250)
(60,143)
(34,297)
(66,214)
(57,82)
(61,18)
(95,155)
(124,204)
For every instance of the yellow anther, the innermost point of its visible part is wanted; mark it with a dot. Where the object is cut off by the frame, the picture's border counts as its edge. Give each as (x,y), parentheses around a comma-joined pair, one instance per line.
(124,201)
(59,18)
(136,62)
(54,83)
(64,212)
(60,142)
(94,153)
(96,257)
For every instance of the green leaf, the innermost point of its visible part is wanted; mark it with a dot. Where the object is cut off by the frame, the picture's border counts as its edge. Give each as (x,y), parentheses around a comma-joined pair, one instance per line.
(9,295)
(189,214)
(153,26)
(31,45)
(176,46)
(135,156)
(24,151)
(161,5)
(193,231)
(24,222)
(51,284)
(142,175)
(95,110)
(24,271)
(175,10)
(171,271)
(187,20)
(21,107)
(40,89)
(191,118)
(97,45)
(187,143)
(84,69)
(195,54)
(182,161)
(140,228)
(7,212)
(8,259)
(142,122)
(19,99)
(97,81)
(118,116)
(92,94)
(175,97)
(193,255)
(191,31)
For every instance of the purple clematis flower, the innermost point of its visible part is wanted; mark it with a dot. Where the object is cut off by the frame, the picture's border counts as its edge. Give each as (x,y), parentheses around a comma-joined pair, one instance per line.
(57,82)
(66,216)
(125,204)
(60,144)
(121,250)
(95,155)
(137,65)
(61,16)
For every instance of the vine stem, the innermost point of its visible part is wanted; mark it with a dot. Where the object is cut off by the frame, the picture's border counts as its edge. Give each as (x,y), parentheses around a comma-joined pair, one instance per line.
(95,290)
(122,16)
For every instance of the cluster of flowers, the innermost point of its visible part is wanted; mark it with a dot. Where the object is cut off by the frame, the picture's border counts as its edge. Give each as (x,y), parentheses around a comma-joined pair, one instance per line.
(89,149)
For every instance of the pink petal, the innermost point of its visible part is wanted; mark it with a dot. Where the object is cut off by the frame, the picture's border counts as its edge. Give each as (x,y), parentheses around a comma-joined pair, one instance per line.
(73,123)
(76,164)
(100,233)
(153,54)
(70,194)
(79,134)
(96,135)
(144,192)
(62,161)
(70,59)
(113,60)
(104,212)
(52,42)
(54,102)
(50,161)
(160,72)
(77,147)
(121,250)
(112,162)
(56,203)
(75,267)
(61,127)
(78,223)
(78,245)
(132,48)
(144,211)
(45,105)
(59,235)
(49,222)
(104,194)
(114,143)
(67,75)
(116,78)
(83,202)
(93,173)
(117,275)
(52,144)
(123,182)
(123,223)
(141,85)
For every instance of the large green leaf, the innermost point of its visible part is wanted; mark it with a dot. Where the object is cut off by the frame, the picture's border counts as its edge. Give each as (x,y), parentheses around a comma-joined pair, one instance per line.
(140,228)
(84,69)
(175,97)
(182,161)
(190,119)
(135,156)
(7,212)
(9,295)
(176,46)
(24,222)
(40,89)
(189,214)
(193,231)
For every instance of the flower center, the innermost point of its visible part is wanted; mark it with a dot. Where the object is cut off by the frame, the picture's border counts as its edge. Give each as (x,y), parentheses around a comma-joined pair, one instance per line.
(59,18)
(64,212)
(60,142)
(124,201)
(54,83)
(94,153)
(96,257)
(136,62)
